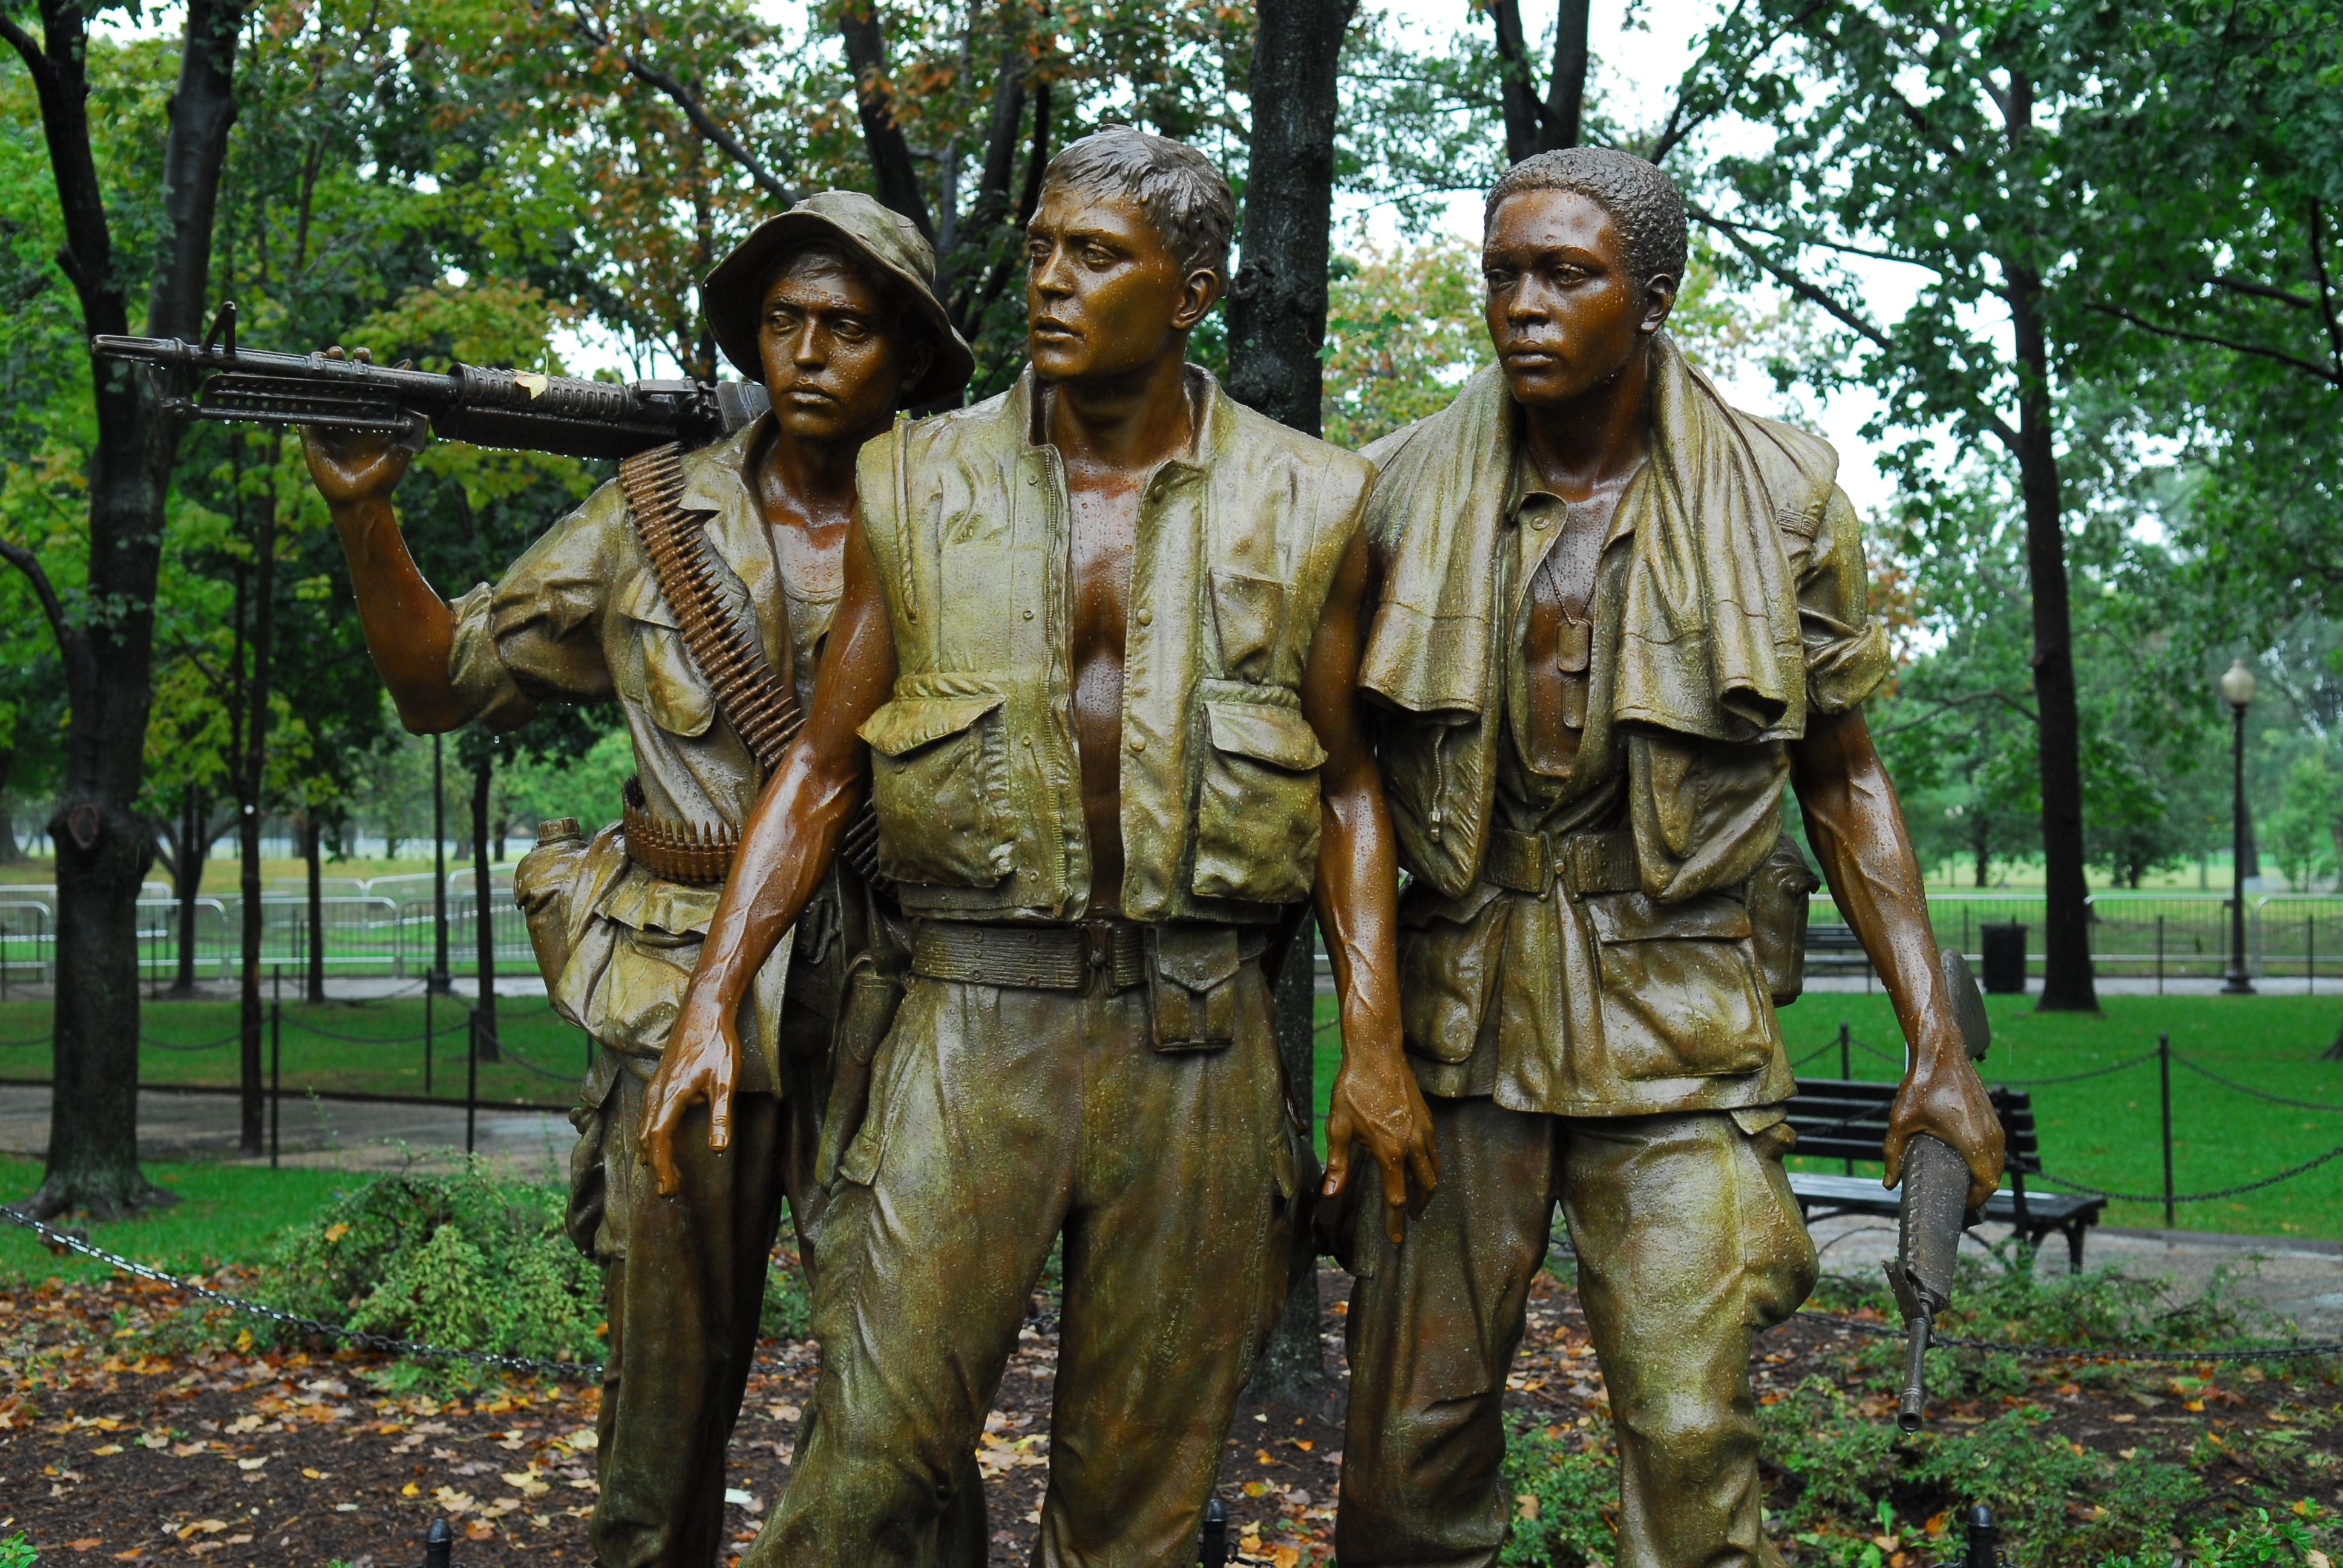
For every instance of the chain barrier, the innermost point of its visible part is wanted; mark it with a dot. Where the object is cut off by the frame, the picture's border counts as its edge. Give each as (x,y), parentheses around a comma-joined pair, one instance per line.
(2124,1066)
(28,1039)
(149,1042)
(385,1344)
(2287,1174)
(333,1034)
(2086,1353)
(507,1053)
(2252,1092)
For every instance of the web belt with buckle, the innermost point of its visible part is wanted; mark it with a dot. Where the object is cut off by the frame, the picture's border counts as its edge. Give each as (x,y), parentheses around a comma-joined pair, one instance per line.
(1043,958)
(1584,863)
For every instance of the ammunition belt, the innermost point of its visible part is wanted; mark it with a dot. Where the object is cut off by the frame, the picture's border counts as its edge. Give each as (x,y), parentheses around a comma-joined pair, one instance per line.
(760,707)
(1044,958)
(1584,863)
(687,852)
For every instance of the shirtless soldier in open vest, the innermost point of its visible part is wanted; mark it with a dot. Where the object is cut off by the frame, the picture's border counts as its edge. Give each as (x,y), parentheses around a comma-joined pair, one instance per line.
(1095,664)
(1614,616)
(698,594)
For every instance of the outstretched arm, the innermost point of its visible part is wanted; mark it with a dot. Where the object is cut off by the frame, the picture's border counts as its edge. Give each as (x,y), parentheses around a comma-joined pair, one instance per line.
(1376,1101)
(1858,830)
(784,852)
(409,627)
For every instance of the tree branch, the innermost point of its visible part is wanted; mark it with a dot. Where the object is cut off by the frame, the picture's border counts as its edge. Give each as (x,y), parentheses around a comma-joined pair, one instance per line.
(874,105)
(2261,291)
(2333,376)
(695,111)
(28,50)
(1831,307)
(2325,286)
(25,561)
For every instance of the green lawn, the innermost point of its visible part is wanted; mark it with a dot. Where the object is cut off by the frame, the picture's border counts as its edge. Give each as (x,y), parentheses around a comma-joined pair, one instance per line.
(2105,1131)
(375,1048)
(227,1213)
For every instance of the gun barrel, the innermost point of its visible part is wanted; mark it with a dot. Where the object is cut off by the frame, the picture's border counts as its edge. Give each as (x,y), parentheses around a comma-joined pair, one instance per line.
(422,389)
(485,406)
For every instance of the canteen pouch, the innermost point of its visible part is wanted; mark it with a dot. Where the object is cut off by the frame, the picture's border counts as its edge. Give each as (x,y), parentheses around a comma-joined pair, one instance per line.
(1778,889)
(541,887)
(865,1015)
(589,1176)
(1192,991)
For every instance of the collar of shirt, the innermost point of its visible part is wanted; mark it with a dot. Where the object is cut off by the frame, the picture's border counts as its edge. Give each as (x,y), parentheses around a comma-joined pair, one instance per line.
(1529,500)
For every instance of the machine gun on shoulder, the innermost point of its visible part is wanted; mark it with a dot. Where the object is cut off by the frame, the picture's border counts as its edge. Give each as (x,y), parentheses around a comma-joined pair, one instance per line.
(518,409)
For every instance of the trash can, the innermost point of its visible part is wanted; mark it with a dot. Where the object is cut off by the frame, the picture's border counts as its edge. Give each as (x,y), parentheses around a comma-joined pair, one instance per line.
(2005,959)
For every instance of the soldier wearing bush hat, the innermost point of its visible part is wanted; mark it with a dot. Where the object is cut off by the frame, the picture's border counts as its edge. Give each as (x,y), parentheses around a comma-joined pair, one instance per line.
(832,307)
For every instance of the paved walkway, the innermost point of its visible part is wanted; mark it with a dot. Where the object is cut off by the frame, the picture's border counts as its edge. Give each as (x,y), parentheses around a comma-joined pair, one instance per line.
(2299,1280)
(337,1134)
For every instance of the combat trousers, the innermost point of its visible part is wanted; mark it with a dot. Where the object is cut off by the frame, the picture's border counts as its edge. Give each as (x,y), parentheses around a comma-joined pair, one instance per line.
(684,1288)
(1001,1117)
(1688,1240)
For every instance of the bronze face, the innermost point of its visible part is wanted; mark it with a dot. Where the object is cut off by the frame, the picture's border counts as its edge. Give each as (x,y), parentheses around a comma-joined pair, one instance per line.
(1104,296)
(835,360)
(1563,309)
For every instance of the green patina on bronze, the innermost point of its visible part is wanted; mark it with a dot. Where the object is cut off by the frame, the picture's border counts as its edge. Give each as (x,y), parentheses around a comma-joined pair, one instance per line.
(1643,996)
(974,771)
(1584,995)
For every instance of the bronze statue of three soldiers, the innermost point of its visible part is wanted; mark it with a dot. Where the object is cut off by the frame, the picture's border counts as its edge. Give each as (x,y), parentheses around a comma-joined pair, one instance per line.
(1101,680)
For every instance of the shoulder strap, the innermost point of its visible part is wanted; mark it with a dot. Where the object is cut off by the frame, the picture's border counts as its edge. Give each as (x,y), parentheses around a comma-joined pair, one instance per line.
(757,703)
(760,707)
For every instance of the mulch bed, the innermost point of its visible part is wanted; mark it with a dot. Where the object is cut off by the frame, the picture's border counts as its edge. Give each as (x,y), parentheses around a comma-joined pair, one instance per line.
(110,1454)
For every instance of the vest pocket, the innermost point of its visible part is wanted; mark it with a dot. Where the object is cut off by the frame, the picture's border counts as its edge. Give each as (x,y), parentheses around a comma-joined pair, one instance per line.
(1679,992)
(938,785)
(1257,804)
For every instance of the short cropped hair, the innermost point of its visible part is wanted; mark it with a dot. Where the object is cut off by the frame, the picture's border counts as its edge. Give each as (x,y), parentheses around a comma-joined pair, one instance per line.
(1185,199)
(1644,203)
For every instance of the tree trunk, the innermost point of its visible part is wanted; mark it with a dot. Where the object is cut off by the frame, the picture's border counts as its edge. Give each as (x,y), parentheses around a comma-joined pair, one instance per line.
(484,909)
(315,992)
(2067,981)
(104,845)
(194,850)
(1565,94)
(11,852)
(1518,98)
(252,778)
(1277,328)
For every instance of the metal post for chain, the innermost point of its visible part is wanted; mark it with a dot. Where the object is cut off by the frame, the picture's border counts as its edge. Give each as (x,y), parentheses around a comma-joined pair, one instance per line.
(276,1058)
(2164,1077)
(2310,954)
(1845,1067)
(2160,955)
(427,1041)
(1212,1541)
(471,1077)
(438,1544)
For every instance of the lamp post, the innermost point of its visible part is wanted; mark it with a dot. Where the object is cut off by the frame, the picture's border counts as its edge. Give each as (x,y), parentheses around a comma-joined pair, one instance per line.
(2237,691)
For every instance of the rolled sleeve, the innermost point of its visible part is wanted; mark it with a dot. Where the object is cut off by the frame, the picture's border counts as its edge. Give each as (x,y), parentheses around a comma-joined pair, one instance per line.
(1847,656)
(536,636)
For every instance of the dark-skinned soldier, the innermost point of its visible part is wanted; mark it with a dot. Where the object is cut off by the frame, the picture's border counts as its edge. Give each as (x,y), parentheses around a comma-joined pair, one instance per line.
(1614,618)
(1096,664)
(831,305)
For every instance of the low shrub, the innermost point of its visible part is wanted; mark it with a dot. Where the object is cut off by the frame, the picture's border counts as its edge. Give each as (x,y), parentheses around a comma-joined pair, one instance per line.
(1565,1490)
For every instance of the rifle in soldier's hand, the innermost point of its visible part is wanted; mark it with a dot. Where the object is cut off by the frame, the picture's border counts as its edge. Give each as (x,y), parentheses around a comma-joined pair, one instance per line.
(520,409)
(1934,1211)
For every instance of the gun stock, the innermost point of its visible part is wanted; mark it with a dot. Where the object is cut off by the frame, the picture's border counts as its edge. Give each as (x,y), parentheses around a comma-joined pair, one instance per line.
(518,409)
(1934,1212)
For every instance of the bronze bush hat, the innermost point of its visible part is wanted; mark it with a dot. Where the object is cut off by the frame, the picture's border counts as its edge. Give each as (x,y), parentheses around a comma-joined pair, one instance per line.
(731,294)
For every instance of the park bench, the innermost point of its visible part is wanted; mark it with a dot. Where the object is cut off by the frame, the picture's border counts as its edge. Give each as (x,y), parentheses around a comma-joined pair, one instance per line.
(1843,1119)
(1834,948)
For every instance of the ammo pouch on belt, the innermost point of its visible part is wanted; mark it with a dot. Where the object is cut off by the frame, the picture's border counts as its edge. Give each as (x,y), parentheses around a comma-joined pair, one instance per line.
(1778,919)
(1192,1001)
(541,886)
(865,1015)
